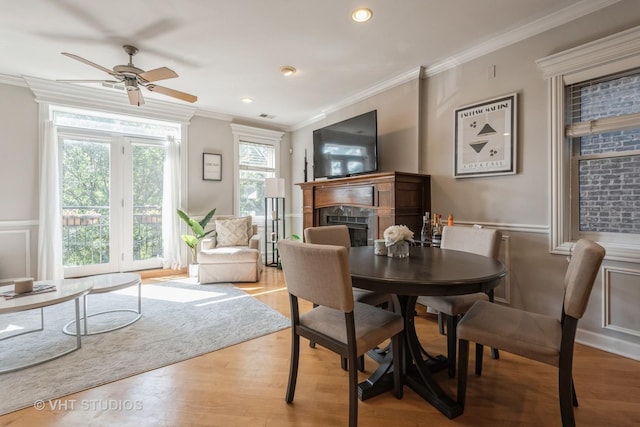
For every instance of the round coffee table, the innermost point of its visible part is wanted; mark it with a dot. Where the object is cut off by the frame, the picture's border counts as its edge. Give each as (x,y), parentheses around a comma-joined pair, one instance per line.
(108,283)
(66,290)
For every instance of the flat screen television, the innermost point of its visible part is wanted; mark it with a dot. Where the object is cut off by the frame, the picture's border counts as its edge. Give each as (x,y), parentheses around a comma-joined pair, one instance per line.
(346,148)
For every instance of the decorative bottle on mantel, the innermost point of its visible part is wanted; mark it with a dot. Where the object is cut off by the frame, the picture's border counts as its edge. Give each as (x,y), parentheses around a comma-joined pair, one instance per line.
(450,220)
(425,233)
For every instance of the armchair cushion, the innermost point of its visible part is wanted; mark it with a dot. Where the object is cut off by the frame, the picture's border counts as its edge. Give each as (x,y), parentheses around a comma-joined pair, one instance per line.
(233,232)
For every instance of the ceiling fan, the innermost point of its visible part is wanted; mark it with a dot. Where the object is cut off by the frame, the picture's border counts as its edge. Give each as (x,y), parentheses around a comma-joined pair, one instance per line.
(133,77)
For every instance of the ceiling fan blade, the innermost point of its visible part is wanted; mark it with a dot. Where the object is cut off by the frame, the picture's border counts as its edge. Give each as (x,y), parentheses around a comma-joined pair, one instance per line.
(86,61)
(90,81)
(172,92)
(161,73)
(135,97)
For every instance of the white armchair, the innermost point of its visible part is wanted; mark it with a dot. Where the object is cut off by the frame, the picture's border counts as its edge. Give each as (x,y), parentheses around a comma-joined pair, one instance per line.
(231,253)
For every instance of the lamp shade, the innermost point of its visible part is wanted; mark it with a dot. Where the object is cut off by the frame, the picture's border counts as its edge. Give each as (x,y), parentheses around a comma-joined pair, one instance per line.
(274,187)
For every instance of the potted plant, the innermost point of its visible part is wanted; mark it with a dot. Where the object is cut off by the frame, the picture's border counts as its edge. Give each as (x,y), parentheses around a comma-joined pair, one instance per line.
(192,240)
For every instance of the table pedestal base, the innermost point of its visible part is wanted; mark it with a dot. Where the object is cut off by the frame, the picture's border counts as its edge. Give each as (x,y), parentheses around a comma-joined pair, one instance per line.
(418,370)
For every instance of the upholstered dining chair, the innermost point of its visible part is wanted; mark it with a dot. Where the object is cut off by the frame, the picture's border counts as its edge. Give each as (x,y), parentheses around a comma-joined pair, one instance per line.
(535,336)
(481,241)
(320,274)
(338,235)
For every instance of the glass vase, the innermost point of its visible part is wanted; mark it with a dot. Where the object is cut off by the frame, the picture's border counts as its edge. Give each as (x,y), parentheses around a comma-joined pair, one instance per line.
(398,250)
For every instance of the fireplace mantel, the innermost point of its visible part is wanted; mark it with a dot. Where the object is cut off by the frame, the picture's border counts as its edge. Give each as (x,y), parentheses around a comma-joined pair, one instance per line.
(394,197)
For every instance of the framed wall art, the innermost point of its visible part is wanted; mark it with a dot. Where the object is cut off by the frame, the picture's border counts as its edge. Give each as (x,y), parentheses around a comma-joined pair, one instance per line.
(485,138)
(212,167)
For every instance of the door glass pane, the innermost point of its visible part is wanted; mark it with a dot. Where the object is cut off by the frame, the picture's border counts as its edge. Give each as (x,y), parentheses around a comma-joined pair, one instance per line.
(148,164)
(85,202)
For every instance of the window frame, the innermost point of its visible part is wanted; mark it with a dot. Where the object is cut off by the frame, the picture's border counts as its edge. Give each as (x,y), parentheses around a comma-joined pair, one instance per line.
(612,54)
(242,133)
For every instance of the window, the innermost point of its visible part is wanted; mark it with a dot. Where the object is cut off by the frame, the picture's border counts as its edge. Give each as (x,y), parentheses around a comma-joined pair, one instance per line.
(256,162)
(257,151)
(603,131)
(595,144)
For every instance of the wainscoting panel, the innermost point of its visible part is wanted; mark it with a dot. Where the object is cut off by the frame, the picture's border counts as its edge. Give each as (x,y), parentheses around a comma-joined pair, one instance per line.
(503,292)
(15,253)
(621,292)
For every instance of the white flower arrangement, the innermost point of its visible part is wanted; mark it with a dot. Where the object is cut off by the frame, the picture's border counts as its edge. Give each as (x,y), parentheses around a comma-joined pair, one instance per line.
(397,233)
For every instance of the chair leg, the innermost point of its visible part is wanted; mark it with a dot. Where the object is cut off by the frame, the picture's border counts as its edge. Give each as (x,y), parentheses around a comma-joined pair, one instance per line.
(479,356)
(396,348)
(575,396)
(452,323)
(293,367)
(565,389)
(312,344)
(463,362)
(353,392)
(344,364)
(495,354)
(440,324)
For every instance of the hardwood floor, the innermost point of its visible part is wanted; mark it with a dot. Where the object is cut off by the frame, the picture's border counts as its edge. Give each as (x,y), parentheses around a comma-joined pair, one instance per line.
(244,385)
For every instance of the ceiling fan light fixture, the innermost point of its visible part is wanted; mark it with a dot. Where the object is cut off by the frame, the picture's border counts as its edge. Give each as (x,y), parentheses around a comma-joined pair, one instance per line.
(288,70)
(362,14)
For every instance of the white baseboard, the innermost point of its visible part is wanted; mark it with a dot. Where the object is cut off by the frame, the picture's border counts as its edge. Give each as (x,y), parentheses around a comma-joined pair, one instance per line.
(608,344)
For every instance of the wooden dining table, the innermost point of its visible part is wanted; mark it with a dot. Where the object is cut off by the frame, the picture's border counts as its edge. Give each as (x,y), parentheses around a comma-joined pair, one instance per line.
(427,271)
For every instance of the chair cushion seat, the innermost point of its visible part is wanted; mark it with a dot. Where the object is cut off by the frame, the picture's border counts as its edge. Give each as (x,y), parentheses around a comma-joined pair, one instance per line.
(373,324)
(370,297)
(453,305)
(531,335)
(227,255)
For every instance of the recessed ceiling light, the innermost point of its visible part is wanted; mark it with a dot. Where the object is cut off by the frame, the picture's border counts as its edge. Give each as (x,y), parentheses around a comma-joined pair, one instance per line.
(246,100)
(361,15)
(288,70)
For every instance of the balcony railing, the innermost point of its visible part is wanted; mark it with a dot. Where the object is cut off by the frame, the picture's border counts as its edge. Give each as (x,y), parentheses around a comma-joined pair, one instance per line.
(86,239)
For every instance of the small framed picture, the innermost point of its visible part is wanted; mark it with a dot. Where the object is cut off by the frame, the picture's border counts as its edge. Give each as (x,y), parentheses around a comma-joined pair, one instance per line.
(485,135)
(212,167)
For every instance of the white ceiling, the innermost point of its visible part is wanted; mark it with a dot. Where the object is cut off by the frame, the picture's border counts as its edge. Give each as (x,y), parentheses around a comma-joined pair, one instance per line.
(223,50)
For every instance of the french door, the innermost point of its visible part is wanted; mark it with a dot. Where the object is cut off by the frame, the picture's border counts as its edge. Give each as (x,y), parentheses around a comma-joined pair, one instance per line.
(111,194)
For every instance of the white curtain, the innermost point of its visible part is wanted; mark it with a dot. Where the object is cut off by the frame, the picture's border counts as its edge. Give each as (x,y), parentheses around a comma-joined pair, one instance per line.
(170,201)
(50,219)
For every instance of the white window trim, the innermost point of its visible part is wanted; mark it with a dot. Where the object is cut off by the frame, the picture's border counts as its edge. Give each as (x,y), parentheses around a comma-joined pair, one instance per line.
(242,133)
(611,54)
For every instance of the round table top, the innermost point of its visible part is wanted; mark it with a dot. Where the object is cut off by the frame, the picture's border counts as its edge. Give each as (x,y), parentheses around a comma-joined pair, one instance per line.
(427,271)
(111,282)
(66,289)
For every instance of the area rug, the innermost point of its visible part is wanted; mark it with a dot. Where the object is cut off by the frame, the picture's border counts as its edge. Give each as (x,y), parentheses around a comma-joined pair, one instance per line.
(180,320)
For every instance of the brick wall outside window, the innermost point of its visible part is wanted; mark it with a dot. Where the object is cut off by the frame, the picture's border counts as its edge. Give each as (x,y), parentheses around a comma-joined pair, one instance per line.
(608,187)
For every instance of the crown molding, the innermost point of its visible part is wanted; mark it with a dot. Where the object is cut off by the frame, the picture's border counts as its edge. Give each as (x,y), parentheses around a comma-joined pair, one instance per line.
(523,32)
(376,89)
(67,94)
(398,80)
(308,122)
(540,25)
(213,115)
(12,80)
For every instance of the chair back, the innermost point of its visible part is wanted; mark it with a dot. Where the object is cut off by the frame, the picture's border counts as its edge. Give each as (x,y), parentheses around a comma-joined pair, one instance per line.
(580,276)
(480,241)
(337,235)
(317,273)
